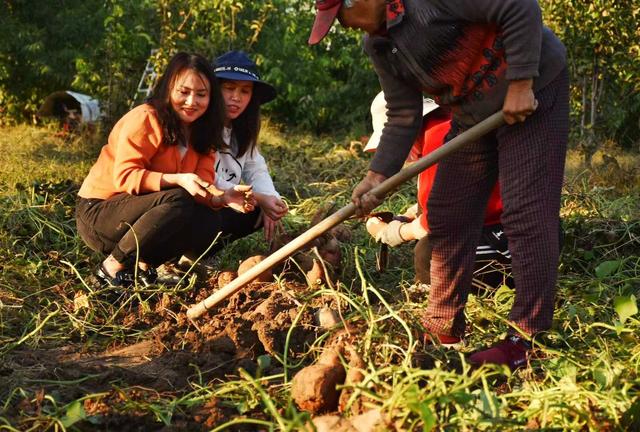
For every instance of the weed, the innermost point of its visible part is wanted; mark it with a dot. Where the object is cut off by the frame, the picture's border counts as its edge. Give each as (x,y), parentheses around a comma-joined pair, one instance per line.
(74,360)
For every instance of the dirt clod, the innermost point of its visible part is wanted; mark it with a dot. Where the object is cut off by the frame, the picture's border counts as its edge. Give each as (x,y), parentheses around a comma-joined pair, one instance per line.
(314,388)
(225,277)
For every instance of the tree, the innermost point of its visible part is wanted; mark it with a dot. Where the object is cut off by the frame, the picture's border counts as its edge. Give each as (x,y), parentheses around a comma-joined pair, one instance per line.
(321,88)
(100,47)
(41,42)
(603,43)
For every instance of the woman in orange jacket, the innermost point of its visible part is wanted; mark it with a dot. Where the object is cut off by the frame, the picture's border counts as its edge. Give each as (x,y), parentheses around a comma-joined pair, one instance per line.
(155,174)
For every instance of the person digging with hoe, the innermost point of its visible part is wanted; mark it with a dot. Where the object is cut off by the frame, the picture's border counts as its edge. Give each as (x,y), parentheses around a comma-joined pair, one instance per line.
(474,57)
(492,267)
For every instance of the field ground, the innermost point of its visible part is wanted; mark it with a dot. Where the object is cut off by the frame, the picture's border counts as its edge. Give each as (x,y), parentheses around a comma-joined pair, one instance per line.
(78,357)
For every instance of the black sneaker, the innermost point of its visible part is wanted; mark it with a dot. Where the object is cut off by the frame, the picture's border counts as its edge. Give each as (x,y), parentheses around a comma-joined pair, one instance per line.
(169,275)
(122,279)
(148,276)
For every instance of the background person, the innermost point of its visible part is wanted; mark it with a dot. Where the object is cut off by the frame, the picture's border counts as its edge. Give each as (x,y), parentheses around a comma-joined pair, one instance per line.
(153,174)
(476,57)
(493,259)
(239,158)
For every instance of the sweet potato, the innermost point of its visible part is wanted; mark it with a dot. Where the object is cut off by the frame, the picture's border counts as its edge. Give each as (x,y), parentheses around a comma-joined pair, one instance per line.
(225,277)
(315,276)
(331,423)
(314,388)
(354,376)
(326,317)
(367,422)
(249,263)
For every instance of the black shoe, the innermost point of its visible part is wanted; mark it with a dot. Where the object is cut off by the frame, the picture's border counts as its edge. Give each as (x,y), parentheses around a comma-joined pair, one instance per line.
(148,276)
(169,275)
(122,279)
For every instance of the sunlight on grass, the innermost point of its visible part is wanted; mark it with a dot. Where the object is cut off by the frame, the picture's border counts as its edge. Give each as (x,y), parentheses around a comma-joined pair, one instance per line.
(29,154)
(586,375)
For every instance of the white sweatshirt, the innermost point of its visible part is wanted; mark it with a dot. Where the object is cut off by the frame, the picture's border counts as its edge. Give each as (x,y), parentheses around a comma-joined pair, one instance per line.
(250,168)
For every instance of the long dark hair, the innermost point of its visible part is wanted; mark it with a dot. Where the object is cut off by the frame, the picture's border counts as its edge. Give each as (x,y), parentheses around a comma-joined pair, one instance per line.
(246,126)
(206,131)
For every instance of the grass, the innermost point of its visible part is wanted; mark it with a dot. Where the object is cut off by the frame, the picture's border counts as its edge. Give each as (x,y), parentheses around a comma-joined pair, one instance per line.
(587,379)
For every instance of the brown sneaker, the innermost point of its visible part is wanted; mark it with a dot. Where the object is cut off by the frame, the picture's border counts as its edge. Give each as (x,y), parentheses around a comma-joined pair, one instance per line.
(512,351)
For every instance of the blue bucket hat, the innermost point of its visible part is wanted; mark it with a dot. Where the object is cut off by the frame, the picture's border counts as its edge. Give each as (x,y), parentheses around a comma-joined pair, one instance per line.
(236,65)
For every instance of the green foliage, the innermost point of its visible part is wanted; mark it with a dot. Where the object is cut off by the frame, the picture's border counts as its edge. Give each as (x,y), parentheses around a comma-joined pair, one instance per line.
(324,87)
(603,43)
(113,72)
(40,44)
(625,307)
(607,268)
(73,414)
(321,88)
(95,47)
(100,48)
(587,376)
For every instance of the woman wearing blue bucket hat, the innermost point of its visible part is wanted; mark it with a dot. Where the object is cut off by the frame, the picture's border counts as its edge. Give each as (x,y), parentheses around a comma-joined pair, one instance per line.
(239,160)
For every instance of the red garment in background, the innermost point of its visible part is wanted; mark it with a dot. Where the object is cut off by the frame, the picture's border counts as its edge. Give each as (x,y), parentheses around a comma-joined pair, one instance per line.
(432,136)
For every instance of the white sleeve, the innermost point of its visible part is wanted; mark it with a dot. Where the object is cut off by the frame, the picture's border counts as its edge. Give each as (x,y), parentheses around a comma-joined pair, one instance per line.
(256,174)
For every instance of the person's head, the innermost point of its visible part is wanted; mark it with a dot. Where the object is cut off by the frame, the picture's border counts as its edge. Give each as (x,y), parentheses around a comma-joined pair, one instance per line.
(379,118)
(243,92)
(187,98)
(366,15)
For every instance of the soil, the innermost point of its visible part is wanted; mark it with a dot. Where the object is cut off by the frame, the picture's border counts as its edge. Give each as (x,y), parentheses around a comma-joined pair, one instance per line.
(172,355)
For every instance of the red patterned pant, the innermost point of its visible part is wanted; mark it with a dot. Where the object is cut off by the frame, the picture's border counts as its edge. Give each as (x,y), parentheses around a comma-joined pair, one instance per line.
(528,160)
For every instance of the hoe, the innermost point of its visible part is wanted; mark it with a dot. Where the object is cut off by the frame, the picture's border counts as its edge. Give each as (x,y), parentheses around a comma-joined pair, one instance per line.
(494,121)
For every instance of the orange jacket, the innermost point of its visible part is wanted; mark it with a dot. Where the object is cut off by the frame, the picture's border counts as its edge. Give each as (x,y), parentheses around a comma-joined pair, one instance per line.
(135,157)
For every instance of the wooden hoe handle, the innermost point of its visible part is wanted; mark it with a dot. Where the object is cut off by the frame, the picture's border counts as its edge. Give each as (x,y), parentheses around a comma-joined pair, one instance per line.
(493,122)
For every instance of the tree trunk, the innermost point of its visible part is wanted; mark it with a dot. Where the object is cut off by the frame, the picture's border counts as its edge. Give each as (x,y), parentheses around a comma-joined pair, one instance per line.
(590,100)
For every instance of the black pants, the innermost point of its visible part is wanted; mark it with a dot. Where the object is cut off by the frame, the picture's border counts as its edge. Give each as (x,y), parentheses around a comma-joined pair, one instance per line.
(225,224)
(158,226)
(151,225)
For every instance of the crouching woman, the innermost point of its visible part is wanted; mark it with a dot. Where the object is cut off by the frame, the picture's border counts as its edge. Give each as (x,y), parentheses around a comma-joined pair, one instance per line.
(154,173)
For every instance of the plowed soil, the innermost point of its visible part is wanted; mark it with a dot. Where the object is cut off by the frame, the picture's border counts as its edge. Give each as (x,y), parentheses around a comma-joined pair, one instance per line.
(172,356)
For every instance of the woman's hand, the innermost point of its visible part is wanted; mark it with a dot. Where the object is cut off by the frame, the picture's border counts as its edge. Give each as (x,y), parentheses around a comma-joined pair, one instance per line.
(240,198)
(272,206)
(190,182)
(271,227)
(273,209)
(520,101)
